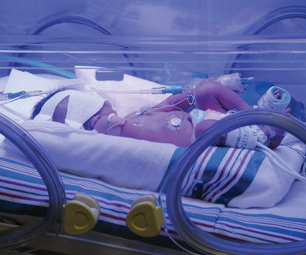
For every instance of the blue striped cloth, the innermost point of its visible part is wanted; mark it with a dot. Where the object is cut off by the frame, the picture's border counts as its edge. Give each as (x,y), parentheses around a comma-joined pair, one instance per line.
(220,181)
(22,192)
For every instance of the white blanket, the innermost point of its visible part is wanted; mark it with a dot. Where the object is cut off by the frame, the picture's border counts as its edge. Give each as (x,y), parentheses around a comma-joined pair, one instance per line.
(124,162)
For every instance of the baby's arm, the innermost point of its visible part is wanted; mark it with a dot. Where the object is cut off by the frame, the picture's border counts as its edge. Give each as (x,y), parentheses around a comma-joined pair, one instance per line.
(175,102)
(214,96)
(208,95)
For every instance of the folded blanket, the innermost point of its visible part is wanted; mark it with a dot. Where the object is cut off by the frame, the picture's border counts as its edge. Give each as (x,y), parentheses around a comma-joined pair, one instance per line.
(243,178)
(120,161)
(283,223)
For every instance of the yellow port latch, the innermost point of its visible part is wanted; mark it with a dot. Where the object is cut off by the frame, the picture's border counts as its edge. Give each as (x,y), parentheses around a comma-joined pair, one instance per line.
(80,215)
(145,217)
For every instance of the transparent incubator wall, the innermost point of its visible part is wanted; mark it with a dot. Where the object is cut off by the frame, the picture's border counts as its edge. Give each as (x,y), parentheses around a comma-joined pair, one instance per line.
(169,42)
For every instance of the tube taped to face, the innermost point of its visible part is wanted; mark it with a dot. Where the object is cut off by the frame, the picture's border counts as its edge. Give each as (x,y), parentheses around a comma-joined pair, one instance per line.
(81,107)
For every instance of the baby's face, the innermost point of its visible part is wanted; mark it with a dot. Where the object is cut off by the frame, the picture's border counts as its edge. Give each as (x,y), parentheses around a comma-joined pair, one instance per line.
(104,112)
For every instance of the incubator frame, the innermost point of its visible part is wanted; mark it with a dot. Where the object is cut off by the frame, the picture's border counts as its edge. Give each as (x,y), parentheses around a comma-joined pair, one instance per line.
(16,237)
(202,241)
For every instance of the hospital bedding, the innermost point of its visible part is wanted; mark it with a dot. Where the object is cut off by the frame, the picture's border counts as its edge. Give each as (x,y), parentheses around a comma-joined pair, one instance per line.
(22,192)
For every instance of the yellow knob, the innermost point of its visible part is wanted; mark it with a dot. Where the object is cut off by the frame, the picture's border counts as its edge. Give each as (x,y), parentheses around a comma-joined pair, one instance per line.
(145,217)
(80,215)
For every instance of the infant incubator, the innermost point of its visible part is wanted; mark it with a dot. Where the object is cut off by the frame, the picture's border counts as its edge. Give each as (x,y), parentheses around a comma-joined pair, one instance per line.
(68,190)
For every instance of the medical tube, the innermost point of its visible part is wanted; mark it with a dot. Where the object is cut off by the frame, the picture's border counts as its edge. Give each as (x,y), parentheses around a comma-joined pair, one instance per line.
(231,81)
(16,237)
(49,68)
(174,89)
(197,238)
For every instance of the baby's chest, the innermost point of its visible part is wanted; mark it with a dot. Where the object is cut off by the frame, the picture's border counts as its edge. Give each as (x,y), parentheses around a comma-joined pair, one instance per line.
(163,121)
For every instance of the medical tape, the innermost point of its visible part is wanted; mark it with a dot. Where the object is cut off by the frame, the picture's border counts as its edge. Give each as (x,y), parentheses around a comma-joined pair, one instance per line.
(81,107)
(242,137)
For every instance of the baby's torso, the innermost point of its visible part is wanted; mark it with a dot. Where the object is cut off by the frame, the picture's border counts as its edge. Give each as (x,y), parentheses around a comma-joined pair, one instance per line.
(172,127)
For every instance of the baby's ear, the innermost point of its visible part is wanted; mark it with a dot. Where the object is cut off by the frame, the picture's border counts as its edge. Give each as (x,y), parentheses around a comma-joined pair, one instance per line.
(60,111)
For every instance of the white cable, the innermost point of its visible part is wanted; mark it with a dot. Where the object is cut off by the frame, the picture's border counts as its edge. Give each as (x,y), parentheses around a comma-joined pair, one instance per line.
(280,162)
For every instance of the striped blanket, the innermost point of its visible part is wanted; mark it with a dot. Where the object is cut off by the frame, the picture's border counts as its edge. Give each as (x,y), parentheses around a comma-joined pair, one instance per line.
(216,182)
(241,178)
(23,193)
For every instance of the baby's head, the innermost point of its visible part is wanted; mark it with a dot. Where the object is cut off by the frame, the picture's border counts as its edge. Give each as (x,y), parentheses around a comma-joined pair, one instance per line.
(72,107)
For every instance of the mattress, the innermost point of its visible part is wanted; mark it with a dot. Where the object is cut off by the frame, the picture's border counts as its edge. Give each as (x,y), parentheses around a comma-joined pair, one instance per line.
(24,193)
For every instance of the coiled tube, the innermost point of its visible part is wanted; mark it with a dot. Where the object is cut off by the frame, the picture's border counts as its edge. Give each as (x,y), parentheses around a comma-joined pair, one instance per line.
(205,242)
(15,237)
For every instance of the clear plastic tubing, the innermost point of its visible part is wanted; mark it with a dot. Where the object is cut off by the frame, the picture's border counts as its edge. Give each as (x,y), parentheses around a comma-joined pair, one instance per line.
(207,243)
(16,237)
(174,89)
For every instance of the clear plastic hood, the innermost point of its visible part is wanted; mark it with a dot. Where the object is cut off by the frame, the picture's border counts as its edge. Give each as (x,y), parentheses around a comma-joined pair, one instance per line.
(162,41)
(167,42)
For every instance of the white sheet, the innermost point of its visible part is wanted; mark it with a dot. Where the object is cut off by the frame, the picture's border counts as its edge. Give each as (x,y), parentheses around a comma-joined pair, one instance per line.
(120,161)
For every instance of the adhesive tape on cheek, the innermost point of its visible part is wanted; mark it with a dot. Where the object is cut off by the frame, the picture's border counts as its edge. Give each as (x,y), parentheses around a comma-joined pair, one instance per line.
(243,138)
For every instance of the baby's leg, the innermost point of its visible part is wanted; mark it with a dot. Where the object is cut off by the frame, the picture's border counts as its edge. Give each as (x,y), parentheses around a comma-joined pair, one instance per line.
(274,135)
(214,96)
(203,126)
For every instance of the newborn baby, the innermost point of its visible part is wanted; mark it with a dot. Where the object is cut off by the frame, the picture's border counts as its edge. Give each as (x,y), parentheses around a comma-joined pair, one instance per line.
(167,122)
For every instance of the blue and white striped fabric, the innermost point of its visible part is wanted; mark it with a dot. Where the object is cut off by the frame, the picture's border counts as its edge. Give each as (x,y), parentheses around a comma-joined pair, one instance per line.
(220,181)
(240,178)
(22,192)
(285,222)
